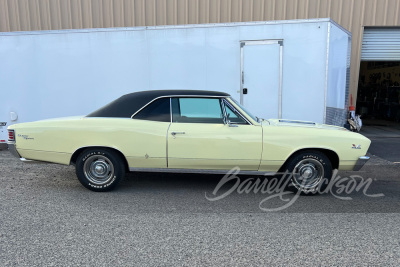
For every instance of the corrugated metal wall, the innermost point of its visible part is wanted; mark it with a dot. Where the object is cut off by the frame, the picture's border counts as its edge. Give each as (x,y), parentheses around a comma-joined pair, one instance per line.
(381,44)
(30,15)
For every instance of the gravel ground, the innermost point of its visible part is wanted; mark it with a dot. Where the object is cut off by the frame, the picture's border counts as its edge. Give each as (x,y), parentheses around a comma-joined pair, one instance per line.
(48,219)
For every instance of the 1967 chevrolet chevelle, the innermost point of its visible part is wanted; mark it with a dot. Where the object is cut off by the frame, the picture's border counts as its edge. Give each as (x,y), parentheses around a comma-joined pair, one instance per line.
(187,131)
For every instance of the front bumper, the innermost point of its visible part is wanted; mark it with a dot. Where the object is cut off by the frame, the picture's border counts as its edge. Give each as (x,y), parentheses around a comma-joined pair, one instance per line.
(360,163)
(12,148)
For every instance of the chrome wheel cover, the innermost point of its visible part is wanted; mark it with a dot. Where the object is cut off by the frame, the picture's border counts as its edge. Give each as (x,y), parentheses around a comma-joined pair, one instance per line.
(307,174)
(98,169)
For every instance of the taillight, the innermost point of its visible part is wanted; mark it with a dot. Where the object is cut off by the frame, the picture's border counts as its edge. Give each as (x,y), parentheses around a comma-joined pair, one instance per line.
(11,135)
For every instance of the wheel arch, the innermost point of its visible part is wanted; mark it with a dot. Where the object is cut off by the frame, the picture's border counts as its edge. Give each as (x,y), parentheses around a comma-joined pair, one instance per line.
(332,156)
(78,151)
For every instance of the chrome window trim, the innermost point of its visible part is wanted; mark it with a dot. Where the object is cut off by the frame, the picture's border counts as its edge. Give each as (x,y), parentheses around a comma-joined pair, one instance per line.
(223,98)
(171,96)
(237,106)
(224,111)
(170,109)
(235,109)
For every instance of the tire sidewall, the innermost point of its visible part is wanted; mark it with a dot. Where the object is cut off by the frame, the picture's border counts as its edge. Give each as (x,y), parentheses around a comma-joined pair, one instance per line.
(326,164)
(119,171)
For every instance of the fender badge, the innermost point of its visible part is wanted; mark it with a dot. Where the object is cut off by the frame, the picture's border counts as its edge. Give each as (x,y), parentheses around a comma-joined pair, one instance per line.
(26,137)
(356,147)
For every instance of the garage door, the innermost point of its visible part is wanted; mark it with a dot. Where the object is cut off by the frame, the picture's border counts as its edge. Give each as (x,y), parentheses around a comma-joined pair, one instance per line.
(381,44)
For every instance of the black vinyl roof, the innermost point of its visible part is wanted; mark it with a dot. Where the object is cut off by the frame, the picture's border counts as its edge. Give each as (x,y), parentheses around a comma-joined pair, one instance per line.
(127,105)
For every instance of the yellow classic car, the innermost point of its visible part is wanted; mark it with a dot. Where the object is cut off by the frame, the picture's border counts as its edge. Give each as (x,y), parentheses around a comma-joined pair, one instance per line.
(187,131)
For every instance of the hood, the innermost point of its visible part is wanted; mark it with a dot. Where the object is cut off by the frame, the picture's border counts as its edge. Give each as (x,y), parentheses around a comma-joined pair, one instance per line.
(303,124)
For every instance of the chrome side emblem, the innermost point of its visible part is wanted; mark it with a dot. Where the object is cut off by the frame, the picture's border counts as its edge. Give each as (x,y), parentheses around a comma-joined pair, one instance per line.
(356,146)
(26,137)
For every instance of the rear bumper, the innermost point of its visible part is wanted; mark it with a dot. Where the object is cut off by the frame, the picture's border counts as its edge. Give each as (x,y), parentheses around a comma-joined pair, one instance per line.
(12,148)
(360,163)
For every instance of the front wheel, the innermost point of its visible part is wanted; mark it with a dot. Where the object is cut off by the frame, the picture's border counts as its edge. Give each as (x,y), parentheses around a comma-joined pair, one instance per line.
(99,169)
(309,171)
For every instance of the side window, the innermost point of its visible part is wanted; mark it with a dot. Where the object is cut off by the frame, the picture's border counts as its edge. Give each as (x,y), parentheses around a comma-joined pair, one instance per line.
(159,110)
(233,115)
(197,110)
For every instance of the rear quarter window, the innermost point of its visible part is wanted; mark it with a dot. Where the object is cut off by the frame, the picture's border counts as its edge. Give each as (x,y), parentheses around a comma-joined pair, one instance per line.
(158,110)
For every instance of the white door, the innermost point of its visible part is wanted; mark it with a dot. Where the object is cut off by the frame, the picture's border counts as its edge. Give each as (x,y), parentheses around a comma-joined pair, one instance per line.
(261,77)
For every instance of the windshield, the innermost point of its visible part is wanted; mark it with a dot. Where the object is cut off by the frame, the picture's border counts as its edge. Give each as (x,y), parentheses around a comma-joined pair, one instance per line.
(245,110)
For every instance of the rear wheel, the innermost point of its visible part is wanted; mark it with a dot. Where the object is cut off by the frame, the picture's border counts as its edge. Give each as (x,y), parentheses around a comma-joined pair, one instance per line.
(310,172)
(99,169)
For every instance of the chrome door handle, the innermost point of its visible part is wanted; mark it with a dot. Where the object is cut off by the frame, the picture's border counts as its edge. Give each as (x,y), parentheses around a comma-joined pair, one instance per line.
(175,133)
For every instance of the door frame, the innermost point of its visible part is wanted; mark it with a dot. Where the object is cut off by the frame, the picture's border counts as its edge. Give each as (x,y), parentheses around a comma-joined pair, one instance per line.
(263,42)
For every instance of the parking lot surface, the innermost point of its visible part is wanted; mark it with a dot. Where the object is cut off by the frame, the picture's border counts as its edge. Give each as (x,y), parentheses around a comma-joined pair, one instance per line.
(48,219)
(385,141)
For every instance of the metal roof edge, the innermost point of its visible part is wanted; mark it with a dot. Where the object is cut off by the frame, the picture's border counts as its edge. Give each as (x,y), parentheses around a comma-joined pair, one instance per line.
(162,27)
(340,26)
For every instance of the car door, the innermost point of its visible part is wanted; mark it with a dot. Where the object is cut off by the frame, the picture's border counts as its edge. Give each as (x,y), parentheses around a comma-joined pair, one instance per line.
(146,145)
(200,137)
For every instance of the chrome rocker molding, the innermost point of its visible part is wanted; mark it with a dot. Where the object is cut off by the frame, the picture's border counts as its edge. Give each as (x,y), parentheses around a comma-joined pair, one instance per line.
(132,169)
(31,161)
(360,163)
